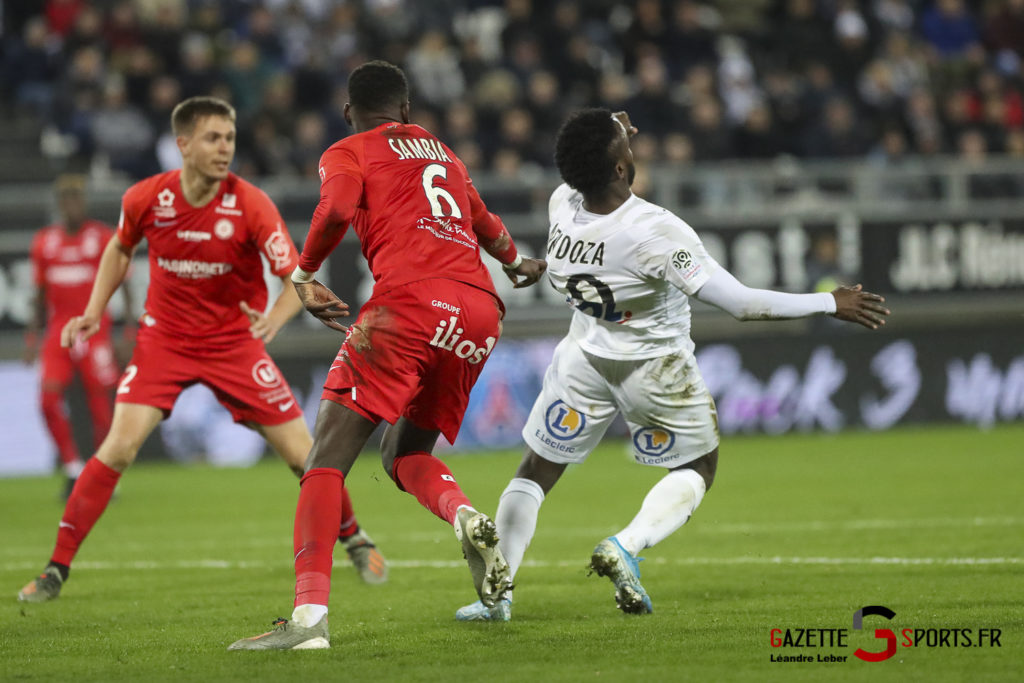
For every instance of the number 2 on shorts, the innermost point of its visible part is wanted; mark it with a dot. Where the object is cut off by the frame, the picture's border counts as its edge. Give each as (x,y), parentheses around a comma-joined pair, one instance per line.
(129,375)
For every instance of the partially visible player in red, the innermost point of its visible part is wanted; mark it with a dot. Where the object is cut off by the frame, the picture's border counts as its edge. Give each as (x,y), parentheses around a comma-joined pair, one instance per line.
(203,322)
(65,257)
(418,344)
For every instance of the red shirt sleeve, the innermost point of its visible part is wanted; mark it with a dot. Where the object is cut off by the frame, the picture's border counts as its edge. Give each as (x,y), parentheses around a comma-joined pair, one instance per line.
(491,232)
(129,232)
(272,239)
(341,190)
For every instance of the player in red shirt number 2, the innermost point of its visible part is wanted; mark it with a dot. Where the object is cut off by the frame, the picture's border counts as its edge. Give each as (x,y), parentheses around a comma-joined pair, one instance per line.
(417,346)
(203,322)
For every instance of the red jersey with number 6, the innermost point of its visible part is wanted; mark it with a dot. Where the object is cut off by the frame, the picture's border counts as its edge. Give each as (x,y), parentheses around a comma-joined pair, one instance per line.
(415,214)
(204,261)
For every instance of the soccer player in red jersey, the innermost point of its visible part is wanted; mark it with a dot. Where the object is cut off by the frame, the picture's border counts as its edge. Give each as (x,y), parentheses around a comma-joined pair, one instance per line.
(65,257)
(207,229)
(418,344)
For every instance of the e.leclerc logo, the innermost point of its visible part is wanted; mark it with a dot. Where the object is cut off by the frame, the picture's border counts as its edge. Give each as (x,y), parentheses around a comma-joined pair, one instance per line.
(809,642)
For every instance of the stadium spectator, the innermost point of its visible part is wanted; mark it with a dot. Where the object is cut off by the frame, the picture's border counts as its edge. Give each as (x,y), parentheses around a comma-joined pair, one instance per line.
(434,73)
(61,14)
(840,135)
(1004,33)
(120,133)
(656,57)
(199,72)
(121,29)
(32,67)
(950,29)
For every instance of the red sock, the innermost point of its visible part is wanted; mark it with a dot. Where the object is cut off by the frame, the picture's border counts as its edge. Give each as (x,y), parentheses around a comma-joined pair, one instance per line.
(60,427)
(87,502)
(430,480)
(349,525)
(101,408)
(317,519)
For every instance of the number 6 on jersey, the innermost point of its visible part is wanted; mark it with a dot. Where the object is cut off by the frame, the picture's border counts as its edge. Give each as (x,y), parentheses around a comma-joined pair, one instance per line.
(433,193)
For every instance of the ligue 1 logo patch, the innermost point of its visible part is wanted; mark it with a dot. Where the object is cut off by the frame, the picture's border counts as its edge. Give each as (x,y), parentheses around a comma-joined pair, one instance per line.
(224,228)
(653,441)
(563,422)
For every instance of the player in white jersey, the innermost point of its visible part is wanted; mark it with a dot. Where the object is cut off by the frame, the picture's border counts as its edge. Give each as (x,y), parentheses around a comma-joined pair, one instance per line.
(629,267)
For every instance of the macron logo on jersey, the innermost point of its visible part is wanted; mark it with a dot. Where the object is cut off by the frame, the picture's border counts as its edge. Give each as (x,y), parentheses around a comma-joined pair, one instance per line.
(187,268)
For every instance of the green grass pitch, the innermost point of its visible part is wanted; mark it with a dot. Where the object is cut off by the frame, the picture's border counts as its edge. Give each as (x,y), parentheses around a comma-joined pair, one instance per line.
(798,532)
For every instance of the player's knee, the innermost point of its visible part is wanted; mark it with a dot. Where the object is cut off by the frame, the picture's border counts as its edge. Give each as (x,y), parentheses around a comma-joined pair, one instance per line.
(118,451)
(539,470)
(51,402)
(387,460)
(706,466)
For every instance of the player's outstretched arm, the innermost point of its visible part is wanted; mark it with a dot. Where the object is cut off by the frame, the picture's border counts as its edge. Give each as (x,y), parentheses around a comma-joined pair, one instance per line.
(113,268)
(747,303)
(494,238)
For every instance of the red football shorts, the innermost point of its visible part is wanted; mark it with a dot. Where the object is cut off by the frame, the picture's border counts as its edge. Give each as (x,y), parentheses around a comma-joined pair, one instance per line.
(415,352)
(240,373)
(93,359)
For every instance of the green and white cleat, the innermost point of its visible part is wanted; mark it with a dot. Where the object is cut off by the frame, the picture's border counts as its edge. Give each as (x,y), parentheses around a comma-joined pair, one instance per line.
(479,537)
(365,557)
(612,560)
(44,587)
(478,611)
(288,635)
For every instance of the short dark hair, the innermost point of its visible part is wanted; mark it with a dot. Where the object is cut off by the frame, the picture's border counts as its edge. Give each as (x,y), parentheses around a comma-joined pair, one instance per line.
(188,112)
(70,183)
(377,86)
(583,150)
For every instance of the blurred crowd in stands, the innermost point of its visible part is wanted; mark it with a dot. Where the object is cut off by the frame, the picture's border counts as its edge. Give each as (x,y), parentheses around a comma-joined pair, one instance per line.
(703,81)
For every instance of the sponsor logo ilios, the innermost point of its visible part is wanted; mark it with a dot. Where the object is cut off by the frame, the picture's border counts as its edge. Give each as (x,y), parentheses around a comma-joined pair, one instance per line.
(446,338)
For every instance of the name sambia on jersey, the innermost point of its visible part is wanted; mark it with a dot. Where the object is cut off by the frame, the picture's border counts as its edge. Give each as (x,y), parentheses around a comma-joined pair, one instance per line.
(628,274)
(204,261)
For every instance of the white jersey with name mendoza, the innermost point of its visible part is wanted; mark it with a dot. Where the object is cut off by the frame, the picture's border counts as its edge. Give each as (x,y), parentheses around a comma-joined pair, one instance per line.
(628,274)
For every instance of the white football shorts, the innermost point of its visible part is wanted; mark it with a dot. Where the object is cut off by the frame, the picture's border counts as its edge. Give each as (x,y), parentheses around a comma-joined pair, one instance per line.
(671,416)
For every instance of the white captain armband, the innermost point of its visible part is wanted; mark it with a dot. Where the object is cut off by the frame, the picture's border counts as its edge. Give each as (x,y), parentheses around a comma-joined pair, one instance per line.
(302,277)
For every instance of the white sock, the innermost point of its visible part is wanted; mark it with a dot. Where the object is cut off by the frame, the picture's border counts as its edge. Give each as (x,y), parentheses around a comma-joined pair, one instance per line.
(666,507)
(73,470)
(517,519)
(308,615)
(468,507)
